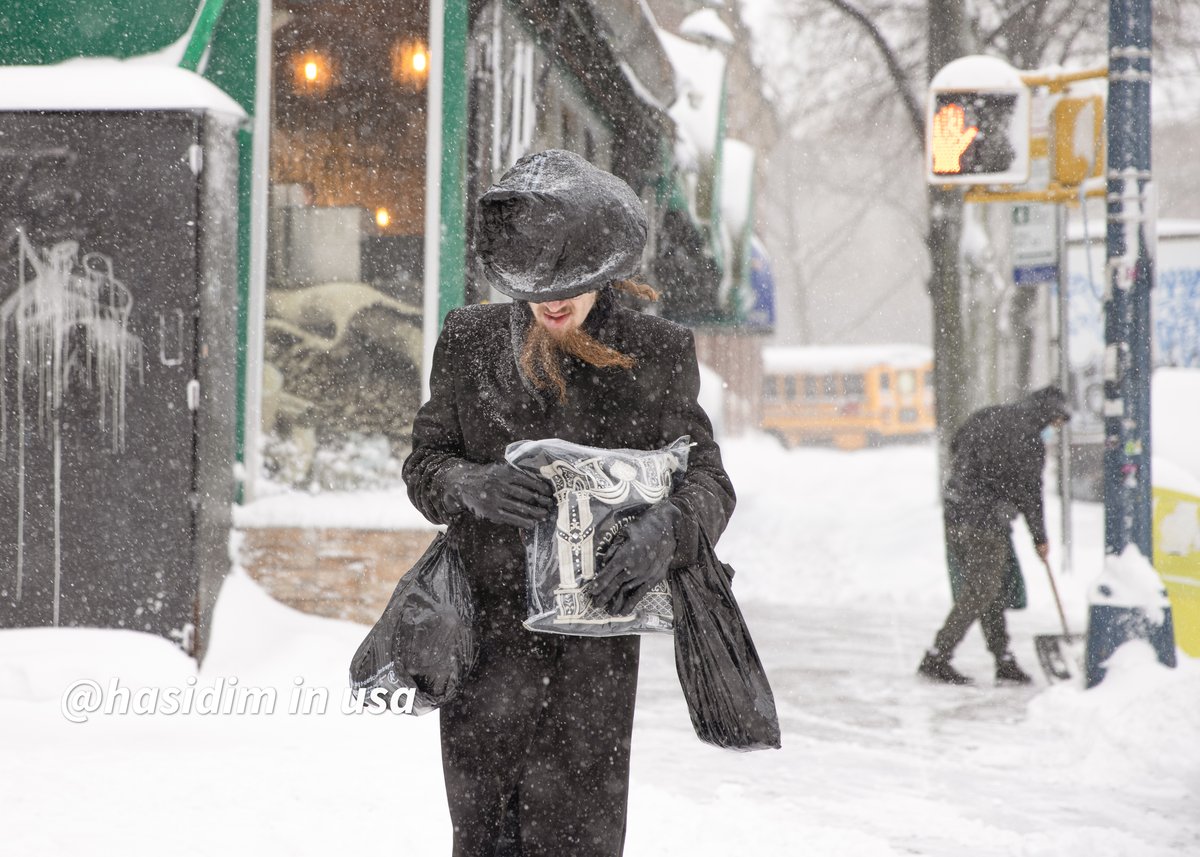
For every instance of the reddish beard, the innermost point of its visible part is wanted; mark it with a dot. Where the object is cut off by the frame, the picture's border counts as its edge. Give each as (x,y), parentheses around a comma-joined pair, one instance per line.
(542,353)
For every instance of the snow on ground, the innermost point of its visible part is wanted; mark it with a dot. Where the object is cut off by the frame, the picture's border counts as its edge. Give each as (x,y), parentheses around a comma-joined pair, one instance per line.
(841,577)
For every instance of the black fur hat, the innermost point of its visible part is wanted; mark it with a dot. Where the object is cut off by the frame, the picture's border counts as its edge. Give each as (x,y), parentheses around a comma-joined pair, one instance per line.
(555,226)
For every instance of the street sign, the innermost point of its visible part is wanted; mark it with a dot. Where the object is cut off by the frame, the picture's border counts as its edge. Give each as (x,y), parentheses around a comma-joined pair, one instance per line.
(1034,244)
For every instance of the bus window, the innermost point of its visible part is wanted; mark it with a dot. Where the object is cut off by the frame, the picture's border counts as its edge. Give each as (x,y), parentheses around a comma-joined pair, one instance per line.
(831,386)
(810,387)
(770,388)
(885,381)
(928,380)
(790,387)
(906,382)
(854,385)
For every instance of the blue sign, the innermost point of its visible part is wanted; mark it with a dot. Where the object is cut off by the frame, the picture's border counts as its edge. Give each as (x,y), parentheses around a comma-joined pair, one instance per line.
(761,315)
(1032,275)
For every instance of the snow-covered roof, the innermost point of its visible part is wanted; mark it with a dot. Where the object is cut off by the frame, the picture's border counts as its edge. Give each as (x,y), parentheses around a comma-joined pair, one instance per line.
(737,185)
(640,89)
(706,25)
(822,359)
(631,30)
(104,83)
(1166,228)
(699,85)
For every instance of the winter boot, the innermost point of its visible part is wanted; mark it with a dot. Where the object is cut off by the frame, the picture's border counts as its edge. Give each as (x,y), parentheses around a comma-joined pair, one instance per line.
(1007,671)
(936,667)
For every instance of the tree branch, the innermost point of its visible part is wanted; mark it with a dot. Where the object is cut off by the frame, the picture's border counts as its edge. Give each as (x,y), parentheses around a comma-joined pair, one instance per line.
(911,106)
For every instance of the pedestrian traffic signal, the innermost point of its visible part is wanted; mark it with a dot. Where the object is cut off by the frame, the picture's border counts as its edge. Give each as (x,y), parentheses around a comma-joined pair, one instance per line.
(1078,140)
(978,124)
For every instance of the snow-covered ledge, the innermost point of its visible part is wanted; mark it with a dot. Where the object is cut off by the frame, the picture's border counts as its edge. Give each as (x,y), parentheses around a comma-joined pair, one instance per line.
(379,509)
(103,83)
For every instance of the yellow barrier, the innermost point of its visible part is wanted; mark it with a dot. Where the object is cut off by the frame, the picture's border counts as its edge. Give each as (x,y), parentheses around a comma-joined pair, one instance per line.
(1177,560)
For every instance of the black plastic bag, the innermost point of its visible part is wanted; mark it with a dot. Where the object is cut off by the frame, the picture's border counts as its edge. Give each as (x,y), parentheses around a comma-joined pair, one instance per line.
(727,693)
(424,642)
(597,492)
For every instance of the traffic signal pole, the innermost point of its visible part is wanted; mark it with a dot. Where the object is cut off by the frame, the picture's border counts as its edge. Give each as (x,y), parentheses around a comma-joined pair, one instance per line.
(1130,274)
(1125,603)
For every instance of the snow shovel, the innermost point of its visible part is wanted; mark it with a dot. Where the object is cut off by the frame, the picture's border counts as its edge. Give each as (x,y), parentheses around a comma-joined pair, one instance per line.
(1058,653)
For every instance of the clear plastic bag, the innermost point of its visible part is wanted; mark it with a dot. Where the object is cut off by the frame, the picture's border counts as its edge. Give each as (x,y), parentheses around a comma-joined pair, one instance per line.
(597,492)
(726,688)
(425,640)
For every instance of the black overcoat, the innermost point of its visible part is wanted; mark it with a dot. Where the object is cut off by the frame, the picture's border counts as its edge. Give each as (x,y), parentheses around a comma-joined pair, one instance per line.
(544,720)
(996,469)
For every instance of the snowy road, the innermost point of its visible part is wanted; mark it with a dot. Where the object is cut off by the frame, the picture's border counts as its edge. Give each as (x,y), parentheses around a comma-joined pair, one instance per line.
(840,576)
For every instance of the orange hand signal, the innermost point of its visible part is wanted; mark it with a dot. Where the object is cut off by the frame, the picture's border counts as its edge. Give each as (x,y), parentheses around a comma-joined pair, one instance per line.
(951,137)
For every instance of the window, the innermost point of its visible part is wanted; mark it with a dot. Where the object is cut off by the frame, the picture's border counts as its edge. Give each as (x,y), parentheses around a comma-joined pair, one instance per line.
(810,387)
(790,387)
(830,386)
(342,350)
(770,388)
(854,385)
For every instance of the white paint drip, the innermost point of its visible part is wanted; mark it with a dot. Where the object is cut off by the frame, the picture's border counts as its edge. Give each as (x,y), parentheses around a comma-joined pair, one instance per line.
(71,320)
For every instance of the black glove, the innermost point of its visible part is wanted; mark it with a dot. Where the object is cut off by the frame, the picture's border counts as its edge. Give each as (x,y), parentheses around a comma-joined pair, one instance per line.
(499,493)
(637,560)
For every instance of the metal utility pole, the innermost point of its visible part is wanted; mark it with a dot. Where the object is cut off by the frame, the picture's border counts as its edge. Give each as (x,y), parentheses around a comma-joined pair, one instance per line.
(1063,335)
(1130,276)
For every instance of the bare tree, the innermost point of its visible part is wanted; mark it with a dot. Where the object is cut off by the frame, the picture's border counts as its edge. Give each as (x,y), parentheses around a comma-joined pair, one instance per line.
(883,53)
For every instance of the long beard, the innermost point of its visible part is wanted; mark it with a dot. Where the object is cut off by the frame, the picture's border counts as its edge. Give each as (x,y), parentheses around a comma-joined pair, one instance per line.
(542,355)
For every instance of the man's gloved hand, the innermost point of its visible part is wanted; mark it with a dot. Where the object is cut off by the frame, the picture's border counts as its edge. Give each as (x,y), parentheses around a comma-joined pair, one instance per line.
(498,492)
(637,560)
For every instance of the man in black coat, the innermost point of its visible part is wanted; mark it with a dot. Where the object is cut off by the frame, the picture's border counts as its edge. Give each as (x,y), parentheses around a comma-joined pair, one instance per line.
(535,748)
(996,472)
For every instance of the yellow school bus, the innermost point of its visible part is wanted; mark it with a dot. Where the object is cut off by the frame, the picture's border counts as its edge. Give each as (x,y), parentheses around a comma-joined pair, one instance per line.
(849,396)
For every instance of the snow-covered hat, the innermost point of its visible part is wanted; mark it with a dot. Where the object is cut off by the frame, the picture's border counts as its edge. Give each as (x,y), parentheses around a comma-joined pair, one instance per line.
(555,226)
(1050,404)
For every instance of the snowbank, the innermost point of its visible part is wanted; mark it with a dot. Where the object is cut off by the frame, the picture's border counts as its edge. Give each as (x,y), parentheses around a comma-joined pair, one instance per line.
(1175,424)
(1129,580)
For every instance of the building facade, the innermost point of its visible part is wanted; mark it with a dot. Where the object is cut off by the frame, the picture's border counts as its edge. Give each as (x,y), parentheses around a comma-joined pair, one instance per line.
(368,130)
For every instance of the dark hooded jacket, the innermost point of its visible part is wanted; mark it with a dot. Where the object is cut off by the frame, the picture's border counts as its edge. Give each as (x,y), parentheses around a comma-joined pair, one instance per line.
(997,460)
(544,720)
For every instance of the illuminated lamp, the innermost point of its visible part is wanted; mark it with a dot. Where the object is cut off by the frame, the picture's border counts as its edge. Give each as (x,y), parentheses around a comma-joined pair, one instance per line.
(312,73)
(382,218)
(410,64)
